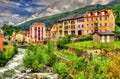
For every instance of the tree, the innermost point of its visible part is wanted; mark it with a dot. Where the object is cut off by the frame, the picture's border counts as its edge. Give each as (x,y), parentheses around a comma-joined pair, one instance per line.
(8,29)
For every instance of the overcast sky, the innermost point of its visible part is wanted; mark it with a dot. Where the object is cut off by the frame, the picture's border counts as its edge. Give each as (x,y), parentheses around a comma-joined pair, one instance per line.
(17,11)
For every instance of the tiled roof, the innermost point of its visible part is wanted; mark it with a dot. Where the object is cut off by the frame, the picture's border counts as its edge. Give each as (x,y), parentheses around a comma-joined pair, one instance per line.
(99,13)
(72,17)
(106,33)
(37,23)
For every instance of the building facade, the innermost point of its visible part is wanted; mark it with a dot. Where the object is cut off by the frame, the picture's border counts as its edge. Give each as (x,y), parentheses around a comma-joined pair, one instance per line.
(80,26)
(54,31)
(104,19)
(37,32)
(72,24)
(1,41)
(27,37)
(104,37)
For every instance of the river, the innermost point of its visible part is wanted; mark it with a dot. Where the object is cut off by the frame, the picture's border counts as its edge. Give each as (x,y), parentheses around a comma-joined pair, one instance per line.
(14,66)
(15,69)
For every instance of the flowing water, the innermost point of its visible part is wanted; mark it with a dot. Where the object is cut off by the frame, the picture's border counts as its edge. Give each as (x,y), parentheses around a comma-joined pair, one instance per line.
(14,66)
(14,69)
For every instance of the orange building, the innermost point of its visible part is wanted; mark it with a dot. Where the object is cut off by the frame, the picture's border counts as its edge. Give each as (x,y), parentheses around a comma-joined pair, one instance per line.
(104,19)
(1,41)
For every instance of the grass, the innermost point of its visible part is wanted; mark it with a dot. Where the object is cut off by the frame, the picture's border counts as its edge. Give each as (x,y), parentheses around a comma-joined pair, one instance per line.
(67,55)
(95,45)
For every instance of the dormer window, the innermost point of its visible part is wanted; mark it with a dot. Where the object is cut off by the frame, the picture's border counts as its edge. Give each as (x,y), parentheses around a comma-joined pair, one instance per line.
(96,14)
(103,13)
(89,14)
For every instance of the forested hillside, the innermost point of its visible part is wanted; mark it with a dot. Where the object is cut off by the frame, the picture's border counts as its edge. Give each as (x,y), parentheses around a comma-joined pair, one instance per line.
(49,20)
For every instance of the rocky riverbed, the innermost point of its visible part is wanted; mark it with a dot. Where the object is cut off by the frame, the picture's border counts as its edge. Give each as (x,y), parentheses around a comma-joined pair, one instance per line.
(14,69)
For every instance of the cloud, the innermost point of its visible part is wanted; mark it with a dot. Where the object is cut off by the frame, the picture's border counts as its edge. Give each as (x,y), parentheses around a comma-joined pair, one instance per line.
(102,2)
(17,11)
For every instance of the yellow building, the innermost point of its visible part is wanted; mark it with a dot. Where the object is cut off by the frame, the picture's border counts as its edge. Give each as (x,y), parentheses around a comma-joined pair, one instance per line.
(19,36)
(103,19)
(72,25)
(27,37)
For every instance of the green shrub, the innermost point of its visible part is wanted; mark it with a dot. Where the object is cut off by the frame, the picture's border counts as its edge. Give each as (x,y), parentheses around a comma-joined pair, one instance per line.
(7,54)
(79,52)
(86,38)
(3,59)
(38,57)
(61,69)
(15,48)
(60,43)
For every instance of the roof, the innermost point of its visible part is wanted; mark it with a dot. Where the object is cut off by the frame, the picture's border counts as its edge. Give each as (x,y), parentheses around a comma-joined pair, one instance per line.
(21,32)
(37,24)
(99,13)
(75,16)
(54,27)
(105,33)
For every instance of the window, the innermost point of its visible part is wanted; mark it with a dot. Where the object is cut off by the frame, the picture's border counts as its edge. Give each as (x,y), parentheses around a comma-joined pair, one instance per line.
(87,19)
(66,27)
(96,19)
(100,24)
(60,26)
(82,26)
(91,25)
(72,22)
(87,25)
(72,27)
(96,14)
(60,32)
(89,14)
(65,23)
(100,18)
(78,26)
(38,38)
(103,13)
(105,24)
(105,17)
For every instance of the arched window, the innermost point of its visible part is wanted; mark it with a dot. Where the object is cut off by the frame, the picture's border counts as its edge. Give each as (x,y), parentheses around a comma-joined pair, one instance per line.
(105,24)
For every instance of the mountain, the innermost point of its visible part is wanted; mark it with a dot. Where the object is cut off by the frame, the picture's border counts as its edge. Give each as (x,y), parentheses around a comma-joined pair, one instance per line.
(49,20)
